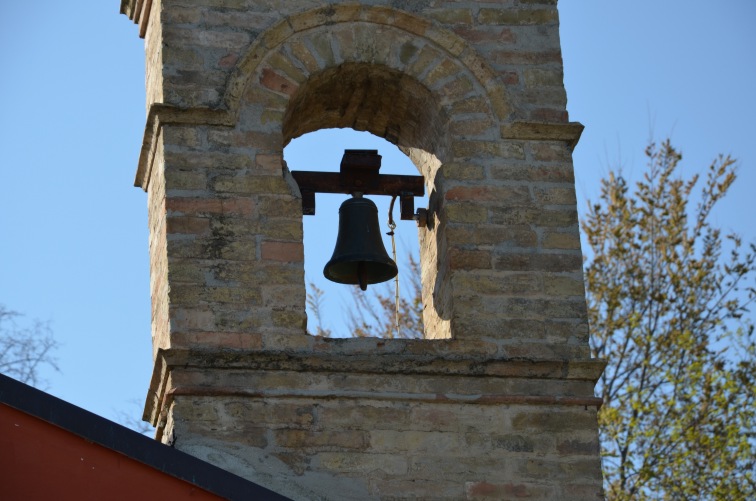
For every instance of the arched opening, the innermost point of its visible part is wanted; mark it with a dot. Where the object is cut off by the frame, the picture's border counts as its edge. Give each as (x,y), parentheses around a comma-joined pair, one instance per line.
(372,98)
(338,310)
(406,118)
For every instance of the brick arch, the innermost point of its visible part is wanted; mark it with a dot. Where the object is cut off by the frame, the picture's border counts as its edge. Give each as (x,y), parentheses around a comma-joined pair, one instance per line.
(394,38)
(389,72)
(349,68)
(368,97)
(390,104)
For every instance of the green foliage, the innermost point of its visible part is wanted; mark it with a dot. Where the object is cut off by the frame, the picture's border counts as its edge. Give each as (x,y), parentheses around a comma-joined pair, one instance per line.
(668,299)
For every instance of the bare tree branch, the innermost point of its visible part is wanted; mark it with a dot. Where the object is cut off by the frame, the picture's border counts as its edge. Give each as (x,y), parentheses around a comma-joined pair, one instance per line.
(24,349)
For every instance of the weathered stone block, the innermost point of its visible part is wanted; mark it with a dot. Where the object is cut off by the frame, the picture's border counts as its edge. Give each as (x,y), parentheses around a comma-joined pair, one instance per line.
(463,172)
(510,490)
(558,240)
(505,195)
(452,16)
(469,259)
(564,286)
(550,173)
(302,439)
(365,464)
(249,185)
(517,16)
(554,421)
(465,213)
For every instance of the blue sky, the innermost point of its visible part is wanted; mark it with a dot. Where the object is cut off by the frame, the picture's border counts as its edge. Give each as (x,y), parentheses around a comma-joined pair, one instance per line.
(73,229)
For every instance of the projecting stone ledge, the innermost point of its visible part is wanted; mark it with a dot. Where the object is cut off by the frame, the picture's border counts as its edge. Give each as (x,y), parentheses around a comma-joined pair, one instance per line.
(396,370)
(544,131)
(389,356)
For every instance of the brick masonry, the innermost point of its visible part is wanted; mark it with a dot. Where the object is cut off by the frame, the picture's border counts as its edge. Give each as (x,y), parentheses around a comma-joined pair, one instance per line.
(497,401)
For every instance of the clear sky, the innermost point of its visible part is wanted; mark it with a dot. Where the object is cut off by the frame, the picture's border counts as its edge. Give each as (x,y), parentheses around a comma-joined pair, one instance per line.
(73,229)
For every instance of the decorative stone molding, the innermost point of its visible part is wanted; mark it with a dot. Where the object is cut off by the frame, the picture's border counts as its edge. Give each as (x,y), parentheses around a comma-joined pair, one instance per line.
(381,363)
(162,114)
(542,131)
(139,12)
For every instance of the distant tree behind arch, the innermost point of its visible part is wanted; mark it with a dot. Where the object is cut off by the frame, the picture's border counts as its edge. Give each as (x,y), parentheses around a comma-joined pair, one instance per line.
(668,299)
(25,347)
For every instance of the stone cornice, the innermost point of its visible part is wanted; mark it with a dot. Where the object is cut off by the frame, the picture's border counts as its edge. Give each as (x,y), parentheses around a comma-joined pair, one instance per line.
(543,131)
(161,114)
(427,360)
(374,357)
(139,12)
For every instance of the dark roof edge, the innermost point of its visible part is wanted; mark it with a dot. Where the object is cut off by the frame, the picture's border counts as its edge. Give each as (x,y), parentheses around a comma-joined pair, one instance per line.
(138,447)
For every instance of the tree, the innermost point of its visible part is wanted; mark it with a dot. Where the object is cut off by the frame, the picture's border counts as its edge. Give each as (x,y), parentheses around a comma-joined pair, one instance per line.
(25,349)
(378,315)
(668,297)
(132,418)
(374,314)
(314,302)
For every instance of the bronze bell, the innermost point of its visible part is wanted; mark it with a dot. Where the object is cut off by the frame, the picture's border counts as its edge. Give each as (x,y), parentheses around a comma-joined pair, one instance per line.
(359,256)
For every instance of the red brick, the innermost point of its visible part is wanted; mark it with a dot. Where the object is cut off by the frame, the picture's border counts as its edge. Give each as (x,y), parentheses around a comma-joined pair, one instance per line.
(485,490)
(193,205)
(187,225)
(277,83)
(224,340)
(197,206)
(500,35)
(283,251)
(510,57)
(549,115)
(241,206)
(271,163)
(228,61)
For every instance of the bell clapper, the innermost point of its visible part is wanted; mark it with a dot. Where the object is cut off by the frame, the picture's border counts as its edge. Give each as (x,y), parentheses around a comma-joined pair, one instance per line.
(360,257)
(362,275)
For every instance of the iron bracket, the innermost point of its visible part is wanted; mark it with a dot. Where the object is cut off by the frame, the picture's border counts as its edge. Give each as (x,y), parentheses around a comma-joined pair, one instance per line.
(359,173)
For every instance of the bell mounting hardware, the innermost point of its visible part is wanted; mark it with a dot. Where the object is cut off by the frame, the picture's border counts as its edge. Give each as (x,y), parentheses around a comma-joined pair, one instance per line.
(359,257)
(359,174)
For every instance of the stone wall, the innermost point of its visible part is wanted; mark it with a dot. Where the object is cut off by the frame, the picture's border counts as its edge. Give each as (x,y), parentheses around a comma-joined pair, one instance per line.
(354,421)
(497,400)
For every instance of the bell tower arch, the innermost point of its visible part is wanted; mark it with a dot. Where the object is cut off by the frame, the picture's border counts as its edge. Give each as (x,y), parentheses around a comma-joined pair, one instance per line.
(497,399)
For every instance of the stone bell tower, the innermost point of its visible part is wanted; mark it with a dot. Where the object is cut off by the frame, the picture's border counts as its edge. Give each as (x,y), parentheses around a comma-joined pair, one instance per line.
(497,400)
